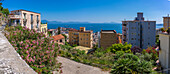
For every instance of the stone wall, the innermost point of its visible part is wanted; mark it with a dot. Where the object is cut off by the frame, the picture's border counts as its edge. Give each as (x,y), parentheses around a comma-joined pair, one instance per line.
(10,60)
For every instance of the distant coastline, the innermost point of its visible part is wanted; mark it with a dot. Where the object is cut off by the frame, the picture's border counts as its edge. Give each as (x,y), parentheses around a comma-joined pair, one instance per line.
(94,26)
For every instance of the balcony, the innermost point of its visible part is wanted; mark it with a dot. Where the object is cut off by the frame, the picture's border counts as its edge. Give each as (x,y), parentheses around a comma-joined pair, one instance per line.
(14,16)
(38,20)
(24,20)
(32,21)
(124,24)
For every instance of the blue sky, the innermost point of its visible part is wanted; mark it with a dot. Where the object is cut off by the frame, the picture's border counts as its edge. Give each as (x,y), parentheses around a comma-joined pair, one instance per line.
(95,11)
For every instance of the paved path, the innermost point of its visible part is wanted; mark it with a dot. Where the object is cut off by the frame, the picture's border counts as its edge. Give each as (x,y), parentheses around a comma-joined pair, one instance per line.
(10,60)
(72,67)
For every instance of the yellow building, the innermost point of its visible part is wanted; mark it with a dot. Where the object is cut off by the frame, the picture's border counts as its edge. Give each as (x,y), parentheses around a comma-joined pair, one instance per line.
(81,37)
(44,29)
(166,22)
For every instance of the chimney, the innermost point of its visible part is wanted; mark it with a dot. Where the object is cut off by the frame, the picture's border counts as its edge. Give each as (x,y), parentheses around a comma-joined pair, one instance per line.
(82,29)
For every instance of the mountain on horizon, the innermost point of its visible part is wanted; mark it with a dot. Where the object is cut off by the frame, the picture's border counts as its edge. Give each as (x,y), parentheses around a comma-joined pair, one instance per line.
(58,22)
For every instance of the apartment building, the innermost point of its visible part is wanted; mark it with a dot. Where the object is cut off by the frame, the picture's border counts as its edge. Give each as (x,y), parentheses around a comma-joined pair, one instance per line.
(81,37)
(166,22)
(107,38)
(44,29)
(31,20)
(139,32)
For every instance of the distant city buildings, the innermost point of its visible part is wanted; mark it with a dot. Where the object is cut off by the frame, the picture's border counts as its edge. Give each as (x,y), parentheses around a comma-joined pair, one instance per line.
(32,20)
(139,32)
(166,22)
(107,38)
(81,37)
(60,39)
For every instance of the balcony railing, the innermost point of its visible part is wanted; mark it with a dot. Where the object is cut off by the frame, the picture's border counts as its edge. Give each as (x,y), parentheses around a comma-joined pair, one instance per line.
(15,16)
(32,21)
(38,20)
(25,20)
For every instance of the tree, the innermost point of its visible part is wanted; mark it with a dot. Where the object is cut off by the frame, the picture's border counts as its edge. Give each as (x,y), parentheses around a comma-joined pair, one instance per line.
(5,11)
(1,8)
(65,37)
(162,29)
(131,64)
(59,32)
(136,50)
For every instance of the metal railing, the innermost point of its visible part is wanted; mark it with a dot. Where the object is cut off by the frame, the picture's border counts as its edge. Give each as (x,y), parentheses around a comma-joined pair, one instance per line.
(15,16)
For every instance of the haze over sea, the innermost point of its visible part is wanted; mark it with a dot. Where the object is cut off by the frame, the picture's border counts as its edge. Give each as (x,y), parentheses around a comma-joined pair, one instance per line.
(95,27)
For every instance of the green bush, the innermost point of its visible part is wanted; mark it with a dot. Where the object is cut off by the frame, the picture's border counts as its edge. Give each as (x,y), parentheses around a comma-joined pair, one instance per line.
(119,47)
(119,54)
(131,63)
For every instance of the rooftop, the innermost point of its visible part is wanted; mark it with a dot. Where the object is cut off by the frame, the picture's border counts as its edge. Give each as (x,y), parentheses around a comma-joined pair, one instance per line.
(51,29)
(58,37)
(108,31)
(87,31)
(24,10)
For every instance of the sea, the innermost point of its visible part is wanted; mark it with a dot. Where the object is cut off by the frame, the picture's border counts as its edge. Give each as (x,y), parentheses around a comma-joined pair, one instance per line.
(94,27)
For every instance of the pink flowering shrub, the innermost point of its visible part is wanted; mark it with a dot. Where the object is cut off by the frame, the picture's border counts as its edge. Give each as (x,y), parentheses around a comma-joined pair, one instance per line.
(36,49)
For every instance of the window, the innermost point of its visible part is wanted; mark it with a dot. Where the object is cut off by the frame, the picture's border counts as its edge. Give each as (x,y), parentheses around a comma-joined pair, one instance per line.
(31,26)
(24,15)
(31,17)
(86,42)
(87,34)
(61,40)
(132,39)
(87,38)
(148,43)
(148,27)
(37,17)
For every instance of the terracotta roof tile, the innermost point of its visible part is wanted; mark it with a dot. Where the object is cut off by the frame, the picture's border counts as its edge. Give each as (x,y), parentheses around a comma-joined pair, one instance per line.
(58,37)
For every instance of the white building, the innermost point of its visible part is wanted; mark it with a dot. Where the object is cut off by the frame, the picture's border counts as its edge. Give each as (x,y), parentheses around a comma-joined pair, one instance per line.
(139,32)
(26,18)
